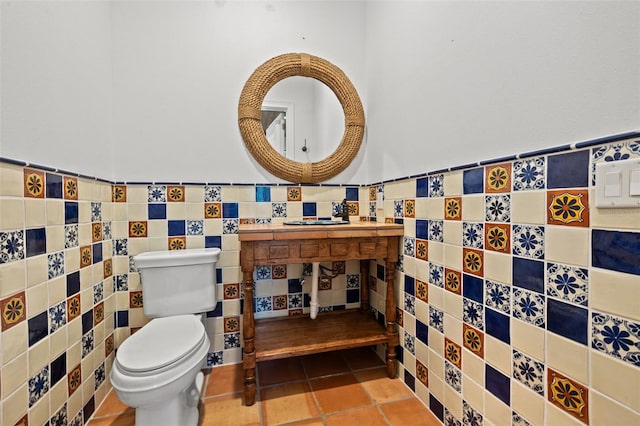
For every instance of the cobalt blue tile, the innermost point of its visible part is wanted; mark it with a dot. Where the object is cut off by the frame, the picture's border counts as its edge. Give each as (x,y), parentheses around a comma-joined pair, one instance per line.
(399,349)
(380,272)
(213,241)
(498,384)
(473,181)
(217,312)
(570,170)
(422,229)
(54,186)
(38,328)
(263,193)
(294,285)
(230,210)
(529,274)
(122,318)
(409,380)
(89,408)
(409,285)
(422,187)
(616,251)
(87,321)
(36,241)
(177,228)
(436,407)
(398,221)
(70,212)
(97,253)
(352,194)
(219,275)
(157,211)
(472,287)
(497,325)
(338,307)
(422,332)
(608,139)
(309,209)
(73,283)
(58,368)
(353,295)
(567,320)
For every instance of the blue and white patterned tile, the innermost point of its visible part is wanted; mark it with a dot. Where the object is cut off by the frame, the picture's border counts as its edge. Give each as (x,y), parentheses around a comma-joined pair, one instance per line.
(400,264)
(436,274)
(372,209)
(106,230)
(529,174)
(263,272)
(518,420)
(12,246)
(473,234)
(38,385)
(99,376)
(96,211)
(55,264)
(263,220)
(498,296)
(497,208)
(157,193)
(121,282)
(214,358)
(450,419)
(76,420)
(436,319)
(195,227)
(353,281)
(278,209)
(409,245)
(436,186)
(569,283)
(528,306)
(263,304)
(613,152)
(132,265)
(212,193)
(409,304)
(231,340)
(617,337)
(57,316)
(529,372)
(473,313)
(295,300)
(453,376)
(60,417)
(409,343)
(470,416)
(528,241)
(230,226)
(436,230)
(87,343)
(71,236)
(398,208)
(98,292)
(120,247)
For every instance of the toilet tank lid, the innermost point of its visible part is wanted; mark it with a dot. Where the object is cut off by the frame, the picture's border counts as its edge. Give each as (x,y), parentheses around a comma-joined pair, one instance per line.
(160,259)
(161,342)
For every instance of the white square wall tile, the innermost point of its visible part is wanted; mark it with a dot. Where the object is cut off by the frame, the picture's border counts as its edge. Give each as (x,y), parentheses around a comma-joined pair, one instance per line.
(567,245)
(615,292)
(529,207)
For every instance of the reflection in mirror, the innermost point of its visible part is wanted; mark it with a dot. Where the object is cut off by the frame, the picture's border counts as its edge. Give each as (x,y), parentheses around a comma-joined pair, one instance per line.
(302,119)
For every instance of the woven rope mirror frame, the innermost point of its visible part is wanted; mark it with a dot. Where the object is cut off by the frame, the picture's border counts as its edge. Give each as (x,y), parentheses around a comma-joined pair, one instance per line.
(249,117)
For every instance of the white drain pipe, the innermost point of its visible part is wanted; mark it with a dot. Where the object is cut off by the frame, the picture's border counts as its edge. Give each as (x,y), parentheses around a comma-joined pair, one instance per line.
(315,270)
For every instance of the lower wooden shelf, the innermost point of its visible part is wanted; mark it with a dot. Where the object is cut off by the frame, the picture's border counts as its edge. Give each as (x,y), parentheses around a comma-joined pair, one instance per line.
(288,337)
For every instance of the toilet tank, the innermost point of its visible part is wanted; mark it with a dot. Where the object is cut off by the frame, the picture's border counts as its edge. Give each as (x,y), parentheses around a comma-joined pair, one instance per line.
(178,282)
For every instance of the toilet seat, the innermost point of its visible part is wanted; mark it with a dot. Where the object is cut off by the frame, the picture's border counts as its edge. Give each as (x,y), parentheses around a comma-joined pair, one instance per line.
(161,343)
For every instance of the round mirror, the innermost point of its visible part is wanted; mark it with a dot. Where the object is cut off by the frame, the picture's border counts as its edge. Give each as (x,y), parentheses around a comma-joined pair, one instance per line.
(250,117)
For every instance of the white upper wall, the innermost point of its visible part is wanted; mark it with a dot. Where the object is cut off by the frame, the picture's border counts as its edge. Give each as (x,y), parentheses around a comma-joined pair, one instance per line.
(451,83)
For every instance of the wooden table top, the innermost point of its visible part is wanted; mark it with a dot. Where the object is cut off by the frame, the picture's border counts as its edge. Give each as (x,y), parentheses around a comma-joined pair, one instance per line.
(278,231)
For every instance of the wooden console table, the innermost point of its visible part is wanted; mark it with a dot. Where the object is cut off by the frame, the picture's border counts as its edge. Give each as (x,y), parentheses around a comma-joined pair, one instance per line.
(271,244)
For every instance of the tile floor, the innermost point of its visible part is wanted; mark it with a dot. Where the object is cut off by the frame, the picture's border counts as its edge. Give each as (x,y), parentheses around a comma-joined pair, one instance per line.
(347,387)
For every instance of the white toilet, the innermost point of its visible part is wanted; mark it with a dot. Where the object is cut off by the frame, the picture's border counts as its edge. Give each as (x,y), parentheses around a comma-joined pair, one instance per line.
(157,370)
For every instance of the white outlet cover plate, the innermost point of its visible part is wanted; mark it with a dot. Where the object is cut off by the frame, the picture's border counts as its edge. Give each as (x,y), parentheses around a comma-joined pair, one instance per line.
(606,174)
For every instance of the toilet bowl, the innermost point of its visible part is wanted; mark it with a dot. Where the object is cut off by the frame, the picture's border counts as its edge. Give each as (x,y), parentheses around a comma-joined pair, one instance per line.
(158,370)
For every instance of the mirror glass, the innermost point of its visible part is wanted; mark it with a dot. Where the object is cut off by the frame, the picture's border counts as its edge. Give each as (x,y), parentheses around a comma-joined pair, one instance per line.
(302,119)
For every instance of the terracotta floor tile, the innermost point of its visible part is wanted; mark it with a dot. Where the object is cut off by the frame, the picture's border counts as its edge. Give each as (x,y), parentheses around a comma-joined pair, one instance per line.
(229,410)
(287,403)
(369,416)
(225,379)
(409,412)
(309,422)
(338,393)
(111,406)
(380,387)
(364,357)
(324,364)
(124,419)
(280,371)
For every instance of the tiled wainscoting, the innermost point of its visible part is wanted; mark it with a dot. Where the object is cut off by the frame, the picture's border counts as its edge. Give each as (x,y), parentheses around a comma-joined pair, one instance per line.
(518,300)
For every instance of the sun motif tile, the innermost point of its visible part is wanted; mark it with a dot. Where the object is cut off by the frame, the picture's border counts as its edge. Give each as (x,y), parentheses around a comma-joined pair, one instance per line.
(498,178)
(497,208)
(213,210)
(422,291)
(529,372)
(569,283)
(175,193)
(436,319)
(409,208)
(177,243)
(232,324)
(98,313)
(338,266)
(528,241)
(107,267)
(109,345)
(279,272)
(14,310)
(74,379)
(96,232)
(231,291)
(568,207)
(135,299)
(119,193)
(138,229)
(568,395)
(529,174)
(473,340)
(497,237)
(498,296)
(472,234)
(616,337)
(473,313)
(422,373)
(453,281)
(70,187)
(354,208)
(453,208)
(453,376)
(473,261)
(399,317)
(157,193)
(372,193)
(34,183)
(73,307)
(529,306)
(294,193)
(453,352)
(85,256)
(422,249)
(280,302)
